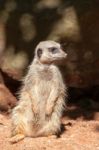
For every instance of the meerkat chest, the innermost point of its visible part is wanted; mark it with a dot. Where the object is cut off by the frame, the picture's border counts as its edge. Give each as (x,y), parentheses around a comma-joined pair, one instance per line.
(46,76)
(44,83)
(45,80)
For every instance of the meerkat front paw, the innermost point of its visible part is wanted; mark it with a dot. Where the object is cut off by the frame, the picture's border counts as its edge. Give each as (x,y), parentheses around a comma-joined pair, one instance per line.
(16,138)
(35,110)
(36,113)
(48,111)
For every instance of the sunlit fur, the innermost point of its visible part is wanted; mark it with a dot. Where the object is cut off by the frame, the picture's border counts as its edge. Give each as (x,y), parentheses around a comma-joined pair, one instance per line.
(42,97)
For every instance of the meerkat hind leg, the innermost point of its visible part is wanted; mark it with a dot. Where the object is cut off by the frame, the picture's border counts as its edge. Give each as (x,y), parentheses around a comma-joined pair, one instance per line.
(22,118)
(51,128)
(47,130)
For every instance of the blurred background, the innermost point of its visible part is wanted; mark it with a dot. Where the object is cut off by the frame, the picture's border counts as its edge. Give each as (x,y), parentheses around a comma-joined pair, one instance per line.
(75,24)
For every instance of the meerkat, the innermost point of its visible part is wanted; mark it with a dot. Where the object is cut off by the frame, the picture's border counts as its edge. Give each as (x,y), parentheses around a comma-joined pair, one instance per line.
(42,96)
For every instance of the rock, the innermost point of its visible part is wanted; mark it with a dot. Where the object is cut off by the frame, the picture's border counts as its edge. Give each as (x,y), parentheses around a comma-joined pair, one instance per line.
(7,100)
(1,78)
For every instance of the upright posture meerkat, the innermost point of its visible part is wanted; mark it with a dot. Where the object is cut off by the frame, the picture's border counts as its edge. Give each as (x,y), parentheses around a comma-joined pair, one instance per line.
(42,96)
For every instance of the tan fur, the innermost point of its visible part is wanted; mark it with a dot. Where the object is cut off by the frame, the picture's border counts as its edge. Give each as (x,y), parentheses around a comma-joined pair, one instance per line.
(39,110)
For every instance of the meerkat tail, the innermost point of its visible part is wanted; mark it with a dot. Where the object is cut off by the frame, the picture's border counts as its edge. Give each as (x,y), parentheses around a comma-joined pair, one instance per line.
(17,138)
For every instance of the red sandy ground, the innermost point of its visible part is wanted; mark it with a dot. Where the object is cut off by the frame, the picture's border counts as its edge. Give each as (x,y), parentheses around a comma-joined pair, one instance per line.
(80,133)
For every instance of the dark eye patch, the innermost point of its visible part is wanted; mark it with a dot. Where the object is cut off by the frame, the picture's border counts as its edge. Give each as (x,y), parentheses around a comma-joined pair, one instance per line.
(39,52)
(54,50)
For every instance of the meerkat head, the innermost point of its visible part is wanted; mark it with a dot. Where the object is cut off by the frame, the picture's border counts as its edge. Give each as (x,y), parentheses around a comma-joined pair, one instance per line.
(48,52)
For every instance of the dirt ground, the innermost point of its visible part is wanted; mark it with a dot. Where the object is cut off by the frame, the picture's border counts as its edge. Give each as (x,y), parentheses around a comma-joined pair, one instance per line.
(80,132)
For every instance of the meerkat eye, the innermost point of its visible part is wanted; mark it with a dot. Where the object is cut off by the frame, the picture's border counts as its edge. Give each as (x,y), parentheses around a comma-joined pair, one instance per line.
(39,52)
(54,50)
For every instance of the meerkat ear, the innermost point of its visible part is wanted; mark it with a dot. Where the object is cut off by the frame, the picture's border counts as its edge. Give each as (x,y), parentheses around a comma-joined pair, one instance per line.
(39,52)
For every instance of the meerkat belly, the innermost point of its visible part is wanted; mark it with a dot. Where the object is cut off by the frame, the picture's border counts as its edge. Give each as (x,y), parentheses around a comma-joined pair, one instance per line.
(44,85)
(43,90)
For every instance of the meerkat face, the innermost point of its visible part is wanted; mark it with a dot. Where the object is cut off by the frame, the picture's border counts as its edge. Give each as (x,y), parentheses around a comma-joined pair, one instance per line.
(49,52)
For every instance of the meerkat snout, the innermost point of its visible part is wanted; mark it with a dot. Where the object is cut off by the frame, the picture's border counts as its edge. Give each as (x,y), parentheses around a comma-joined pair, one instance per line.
(49,51)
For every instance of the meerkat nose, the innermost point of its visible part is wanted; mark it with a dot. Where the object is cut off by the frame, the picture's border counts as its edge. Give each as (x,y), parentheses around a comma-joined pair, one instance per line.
(65,55)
